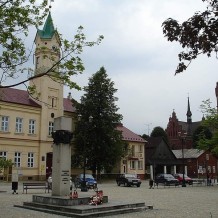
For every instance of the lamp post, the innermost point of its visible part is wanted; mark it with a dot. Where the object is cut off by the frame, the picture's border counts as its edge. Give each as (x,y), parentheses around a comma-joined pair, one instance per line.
(83,184)
(183,161)
(183,165)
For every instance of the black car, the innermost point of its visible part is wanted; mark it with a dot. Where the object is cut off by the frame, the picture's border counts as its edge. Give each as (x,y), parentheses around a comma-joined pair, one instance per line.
(166,180)
(128,180)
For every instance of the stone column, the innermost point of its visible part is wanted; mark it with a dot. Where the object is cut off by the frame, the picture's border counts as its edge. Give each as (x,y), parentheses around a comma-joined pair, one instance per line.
(165,169)
(61,163)
(151,172)
(186,170)
(174,169)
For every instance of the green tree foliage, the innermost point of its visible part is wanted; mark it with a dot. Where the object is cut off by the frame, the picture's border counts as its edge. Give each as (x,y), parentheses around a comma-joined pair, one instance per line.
(145,137)
(98,142)
(4,167)
(211,122)
(16,17)
(197,35)
(201,132)
(159,131)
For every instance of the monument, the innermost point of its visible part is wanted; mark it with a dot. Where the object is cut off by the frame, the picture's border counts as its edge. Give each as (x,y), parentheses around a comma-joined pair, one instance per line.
(61,164)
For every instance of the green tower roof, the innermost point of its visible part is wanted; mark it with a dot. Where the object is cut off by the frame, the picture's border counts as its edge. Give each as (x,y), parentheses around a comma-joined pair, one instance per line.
(48,29)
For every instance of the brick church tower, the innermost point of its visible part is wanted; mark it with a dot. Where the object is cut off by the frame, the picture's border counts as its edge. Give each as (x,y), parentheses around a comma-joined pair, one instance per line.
(177,129)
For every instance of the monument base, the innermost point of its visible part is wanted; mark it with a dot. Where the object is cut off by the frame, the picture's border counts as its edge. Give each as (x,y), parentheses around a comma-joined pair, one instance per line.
(80,207)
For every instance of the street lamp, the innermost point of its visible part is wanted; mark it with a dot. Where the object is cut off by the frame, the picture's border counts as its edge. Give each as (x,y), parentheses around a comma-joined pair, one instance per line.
(183,161)
(83,184)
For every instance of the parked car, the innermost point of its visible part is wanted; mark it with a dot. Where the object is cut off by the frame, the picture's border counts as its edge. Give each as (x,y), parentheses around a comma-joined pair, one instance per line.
(128,180)
(166,179)
(50,183)
(179,176)
(91,183)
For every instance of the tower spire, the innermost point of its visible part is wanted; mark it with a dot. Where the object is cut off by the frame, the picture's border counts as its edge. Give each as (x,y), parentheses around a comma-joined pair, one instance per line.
(48,30)
(189,118)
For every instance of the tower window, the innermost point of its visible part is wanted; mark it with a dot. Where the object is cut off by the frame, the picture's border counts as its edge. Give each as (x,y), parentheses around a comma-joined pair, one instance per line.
(37,62)
(54,102)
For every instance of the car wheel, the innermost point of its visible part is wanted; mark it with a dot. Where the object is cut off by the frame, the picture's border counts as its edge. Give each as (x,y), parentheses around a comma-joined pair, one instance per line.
(138,185)
(118,183)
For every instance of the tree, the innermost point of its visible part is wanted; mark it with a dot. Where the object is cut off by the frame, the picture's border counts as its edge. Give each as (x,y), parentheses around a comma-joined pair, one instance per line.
(211,122)
(4,167)
(159,131)
(16,17)
(98,142)
(201,132)
(198,35)
(145,137)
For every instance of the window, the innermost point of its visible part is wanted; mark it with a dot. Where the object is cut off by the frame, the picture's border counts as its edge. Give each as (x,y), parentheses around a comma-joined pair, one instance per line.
(17,159)
(140,148)
(3,154)
(37,62)
(32,126)
(50,128)
(30,159)
(53,102)
(19,125)
(132,164)
(140,165)
(5,123)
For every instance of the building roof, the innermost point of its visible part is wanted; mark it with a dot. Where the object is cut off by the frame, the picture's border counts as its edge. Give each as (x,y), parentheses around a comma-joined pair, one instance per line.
(193,125)
(18,96)
(68,105)
(128,135)
(188,153)
(48,29)
(157,151)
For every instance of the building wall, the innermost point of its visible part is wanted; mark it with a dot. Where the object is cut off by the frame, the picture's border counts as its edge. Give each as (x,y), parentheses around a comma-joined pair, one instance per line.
(130,164)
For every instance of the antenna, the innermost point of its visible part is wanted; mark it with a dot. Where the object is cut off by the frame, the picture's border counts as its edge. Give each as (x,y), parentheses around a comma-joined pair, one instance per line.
(148,127)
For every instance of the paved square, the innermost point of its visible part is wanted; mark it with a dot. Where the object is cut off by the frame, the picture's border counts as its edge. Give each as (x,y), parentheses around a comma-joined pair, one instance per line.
(194,202)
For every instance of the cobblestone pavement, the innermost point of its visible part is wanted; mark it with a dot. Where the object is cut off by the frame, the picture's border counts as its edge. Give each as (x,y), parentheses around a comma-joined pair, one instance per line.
(193,202)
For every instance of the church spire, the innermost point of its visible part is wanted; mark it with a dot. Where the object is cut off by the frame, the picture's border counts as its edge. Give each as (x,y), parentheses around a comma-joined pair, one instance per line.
(189,119)
(189,113)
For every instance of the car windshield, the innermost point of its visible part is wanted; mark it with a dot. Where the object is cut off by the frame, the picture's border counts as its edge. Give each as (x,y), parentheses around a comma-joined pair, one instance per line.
(87,176)
(131,175)
(169,176)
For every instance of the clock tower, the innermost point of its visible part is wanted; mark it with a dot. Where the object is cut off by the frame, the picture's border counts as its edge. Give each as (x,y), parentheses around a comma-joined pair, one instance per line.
(49,91)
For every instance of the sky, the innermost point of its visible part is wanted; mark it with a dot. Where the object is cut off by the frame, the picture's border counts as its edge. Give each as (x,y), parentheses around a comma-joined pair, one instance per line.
(138,58)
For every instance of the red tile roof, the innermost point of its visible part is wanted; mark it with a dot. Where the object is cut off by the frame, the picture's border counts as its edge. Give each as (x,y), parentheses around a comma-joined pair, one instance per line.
(18,96)
(128,135)
(68,105)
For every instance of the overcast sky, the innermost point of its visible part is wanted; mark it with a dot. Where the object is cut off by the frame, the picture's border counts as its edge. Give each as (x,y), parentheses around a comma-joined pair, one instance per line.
(138,58)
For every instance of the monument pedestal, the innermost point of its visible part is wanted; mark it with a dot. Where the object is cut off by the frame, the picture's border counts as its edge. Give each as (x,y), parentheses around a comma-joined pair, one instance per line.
(61,170)
(61,163)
